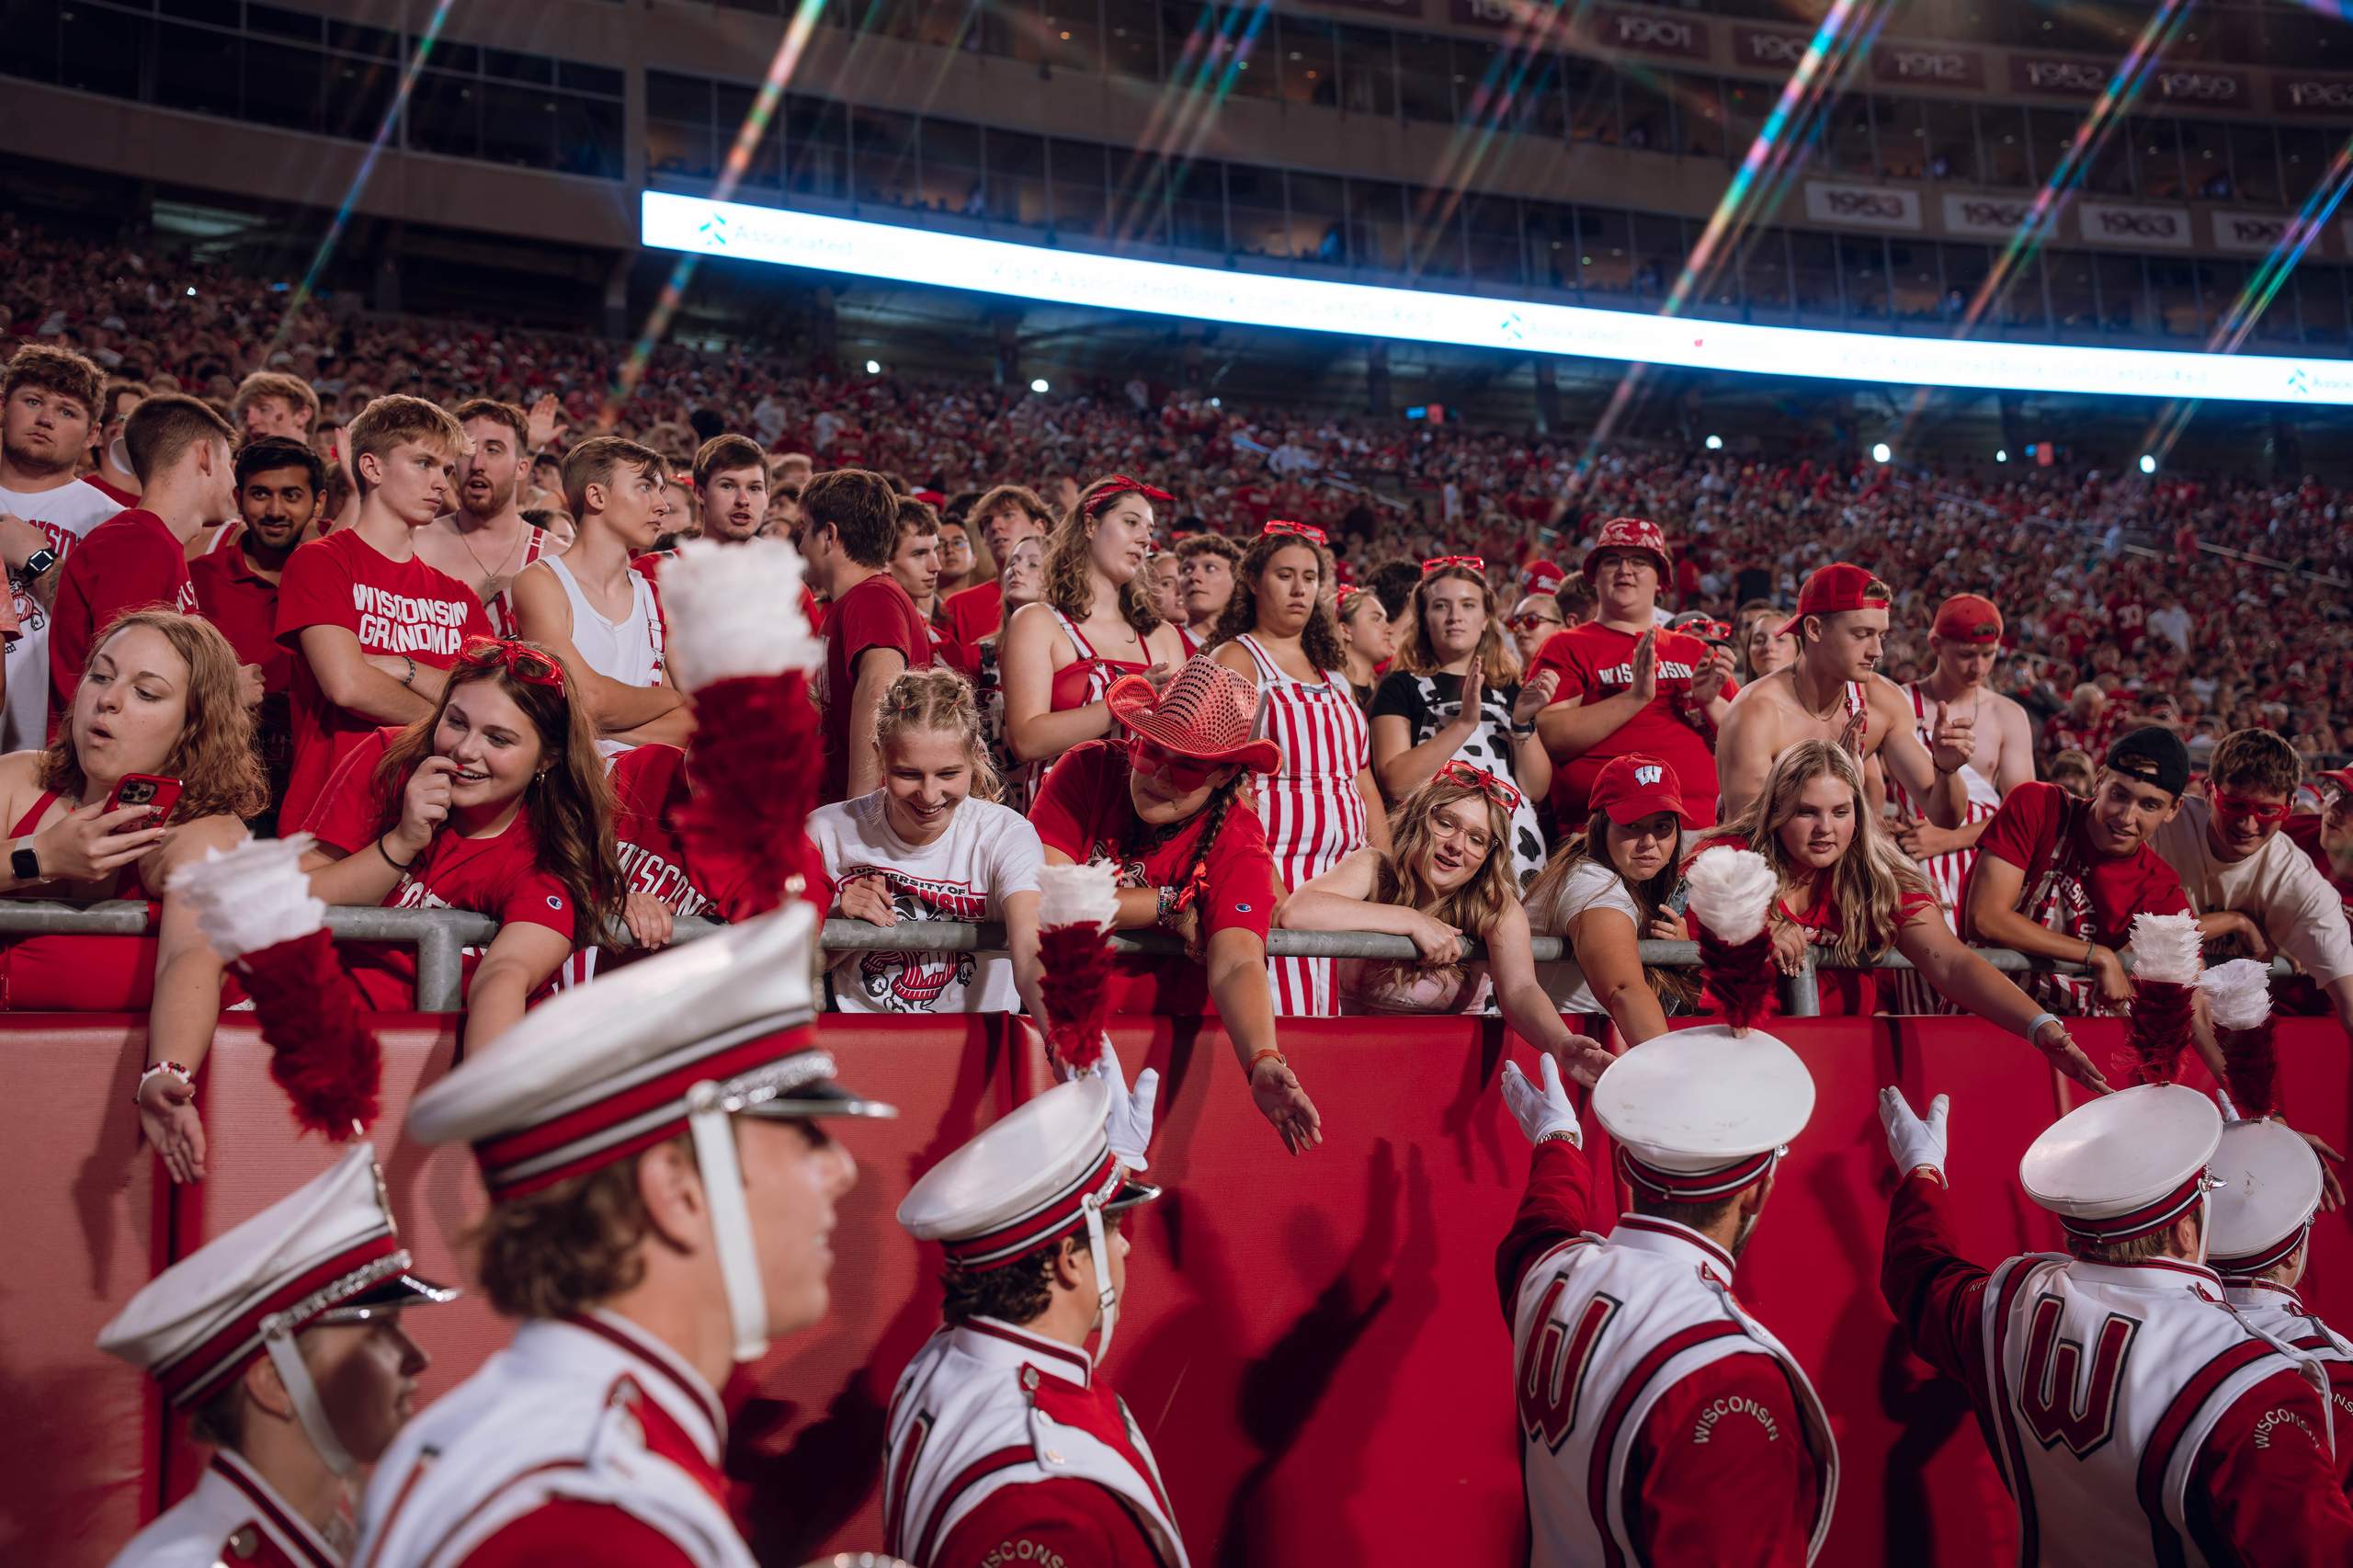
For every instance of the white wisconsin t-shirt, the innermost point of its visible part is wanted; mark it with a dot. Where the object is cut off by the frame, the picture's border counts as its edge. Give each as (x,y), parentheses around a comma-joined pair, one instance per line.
(66,515)
(2278,887)
(965,874)
(1591,886)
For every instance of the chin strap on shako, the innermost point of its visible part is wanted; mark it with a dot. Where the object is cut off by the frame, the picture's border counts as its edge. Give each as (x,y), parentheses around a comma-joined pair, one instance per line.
(731,1219)
(1100,1249)
(281,1339)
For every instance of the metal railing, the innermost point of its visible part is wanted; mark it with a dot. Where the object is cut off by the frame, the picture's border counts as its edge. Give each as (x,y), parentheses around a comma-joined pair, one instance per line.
(441,936)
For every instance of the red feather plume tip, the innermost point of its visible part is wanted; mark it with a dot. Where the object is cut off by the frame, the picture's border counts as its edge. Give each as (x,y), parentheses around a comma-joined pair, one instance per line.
(755,764)
(1739,979)
(2158,1032)
(1076,985)
(320,1052)
(2251,1066)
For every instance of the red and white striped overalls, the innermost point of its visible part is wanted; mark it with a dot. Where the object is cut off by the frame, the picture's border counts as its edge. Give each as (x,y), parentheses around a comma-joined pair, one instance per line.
(1948,873)
(1313,812)
(501,608)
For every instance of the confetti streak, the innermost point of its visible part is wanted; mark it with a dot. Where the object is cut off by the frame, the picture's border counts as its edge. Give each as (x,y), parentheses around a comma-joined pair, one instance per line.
(334,236)
(782,66)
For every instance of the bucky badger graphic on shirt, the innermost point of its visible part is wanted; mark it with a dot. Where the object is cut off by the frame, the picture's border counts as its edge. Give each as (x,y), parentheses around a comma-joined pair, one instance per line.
(908,981)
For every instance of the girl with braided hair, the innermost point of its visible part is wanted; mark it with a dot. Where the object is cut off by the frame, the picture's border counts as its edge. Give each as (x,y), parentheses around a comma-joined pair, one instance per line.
(1171,808)
(932,844)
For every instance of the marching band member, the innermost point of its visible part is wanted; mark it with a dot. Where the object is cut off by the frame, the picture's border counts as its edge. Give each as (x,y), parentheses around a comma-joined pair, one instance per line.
(283,1338)
(1005,1445)
(661,1197)
(2135,1417)
(1660,1422)
(2262,1245)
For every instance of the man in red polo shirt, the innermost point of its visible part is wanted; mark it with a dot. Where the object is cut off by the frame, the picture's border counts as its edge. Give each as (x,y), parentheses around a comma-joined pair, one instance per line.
(280,484)
(138,559)
(849,525)
(2061,878)
(1005,516)
(1629,685)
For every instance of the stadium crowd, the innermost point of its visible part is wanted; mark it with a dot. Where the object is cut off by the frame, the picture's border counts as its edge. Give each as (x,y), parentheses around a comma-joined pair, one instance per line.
(397,583)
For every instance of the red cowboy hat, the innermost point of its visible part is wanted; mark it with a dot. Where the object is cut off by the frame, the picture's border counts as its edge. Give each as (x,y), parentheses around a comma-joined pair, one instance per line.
(1207,713)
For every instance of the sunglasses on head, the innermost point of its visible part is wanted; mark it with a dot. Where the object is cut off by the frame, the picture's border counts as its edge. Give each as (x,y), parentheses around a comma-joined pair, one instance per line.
(1188,773)
(2240,807)
(520,660)
(1469,778)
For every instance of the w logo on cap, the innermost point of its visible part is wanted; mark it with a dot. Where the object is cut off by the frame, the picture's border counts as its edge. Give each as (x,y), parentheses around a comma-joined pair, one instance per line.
(1651,775)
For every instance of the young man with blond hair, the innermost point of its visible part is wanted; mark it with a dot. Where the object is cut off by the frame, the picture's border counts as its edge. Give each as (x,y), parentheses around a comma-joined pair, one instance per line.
(49,398)
(270,402)
(1005,516)
(374,626)
(594,610)
(138,559)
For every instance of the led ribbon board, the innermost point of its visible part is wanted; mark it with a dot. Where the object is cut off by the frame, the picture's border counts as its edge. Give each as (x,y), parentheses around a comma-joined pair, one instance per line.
(905,255)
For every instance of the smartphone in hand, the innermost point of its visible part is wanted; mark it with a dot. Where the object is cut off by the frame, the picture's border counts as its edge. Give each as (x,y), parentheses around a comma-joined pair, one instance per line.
(158,795)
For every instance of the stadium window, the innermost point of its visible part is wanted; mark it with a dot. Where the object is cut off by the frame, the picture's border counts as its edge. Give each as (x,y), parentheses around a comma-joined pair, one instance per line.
(219,13)
(1862,275)
(1916,287)
(1319,217)
(1367,71)
(678,125)
(815,147)
(1375,235)
(1311,58)
(1903,137)
(1646,113)
(1131,38)
(1592,91)
(1250,54)
(1491,236)
(516,67)
(948,152)
(302,26)
(2304,156)
(1197,206)
(1850,135)
(30,26)
(588,136)
(2320,303)
(1138,197)
(444,116)
(1552,245)
(732,105)
(1699,115)
(1074,176)
(575,77)
(882,161)
(2205,160)
(2074,294)
(517,125)
(2001,136)
(1015,171)
(2124,307)
(357,38)
(1948,141)
(2156,156)
(760,7)
(358,95)
(1072,34)
(1254,208)
(1434,232)
(1765,277)
(2255,164)
(1425,86)
(1814,277)
(2108,170)
(196,70)
(283,84)
(1747,104)
(2022,304)
(1605,260)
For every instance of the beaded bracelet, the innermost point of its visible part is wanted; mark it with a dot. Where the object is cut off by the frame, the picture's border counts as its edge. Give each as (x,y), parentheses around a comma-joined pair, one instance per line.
(155,1069)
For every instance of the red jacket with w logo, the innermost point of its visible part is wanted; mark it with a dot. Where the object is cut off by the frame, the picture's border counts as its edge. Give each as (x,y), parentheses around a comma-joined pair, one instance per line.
(2134,1415)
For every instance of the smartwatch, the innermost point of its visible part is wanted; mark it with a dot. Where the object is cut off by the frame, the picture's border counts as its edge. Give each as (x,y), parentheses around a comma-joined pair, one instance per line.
(39,562)
(23,863)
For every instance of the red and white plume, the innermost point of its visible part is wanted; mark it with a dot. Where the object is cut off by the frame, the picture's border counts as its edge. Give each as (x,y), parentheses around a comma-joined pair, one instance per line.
(1732,894)
(255,908)
(1076,905)
(2238,996)
(2166,962)
(740,646)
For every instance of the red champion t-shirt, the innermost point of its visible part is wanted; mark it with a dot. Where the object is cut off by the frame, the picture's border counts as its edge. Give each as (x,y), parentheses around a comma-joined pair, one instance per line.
(392,606)
(1595,664)
(1084,810)
(650,790)
(975,612)
(875,614)
(130,562)
(1844,993)
(2070,887)
(500,876)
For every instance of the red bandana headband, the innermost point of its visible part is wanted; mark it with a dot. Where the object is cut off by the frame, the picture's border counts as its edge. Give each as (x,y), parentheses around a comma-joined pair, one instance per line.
(1117,485)
(1474,564)
(1308,531)
(521,660)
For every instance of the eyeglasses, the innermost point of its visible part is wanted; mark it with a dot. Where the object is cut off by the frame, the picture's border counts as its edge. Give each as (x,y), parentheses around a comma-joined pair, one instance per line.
(1531,621)
(520,660)
(1186,773)
(1476,563)
(2239,806)
(1500,791)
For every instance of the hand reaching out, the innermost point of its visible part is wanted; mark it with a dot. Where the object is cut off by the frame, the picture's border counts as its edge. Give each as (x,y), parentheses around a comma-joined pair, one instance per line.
(168,1119)
(2053,1041)
(1274,1088)
(545,424)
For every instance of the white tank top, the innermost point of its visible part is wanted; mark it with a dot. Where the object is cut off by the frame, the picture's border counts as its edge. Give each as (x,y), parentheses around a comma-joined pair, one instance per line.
(628,651)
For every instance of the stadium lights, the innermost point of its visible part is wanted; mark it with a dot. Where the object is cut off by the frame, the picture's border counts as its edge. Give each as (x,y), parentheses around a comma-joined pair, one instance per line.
(909,254)
(1880,452)
(1040,385)
(2001,454)
(872,368)
(1715,443)
(2148,463)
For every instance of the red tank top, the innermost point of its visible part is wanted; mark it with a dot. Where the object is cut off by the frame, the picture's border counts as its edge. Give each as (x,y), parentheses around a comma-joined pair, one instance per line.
(131,887)
(1086,678)
(76,974)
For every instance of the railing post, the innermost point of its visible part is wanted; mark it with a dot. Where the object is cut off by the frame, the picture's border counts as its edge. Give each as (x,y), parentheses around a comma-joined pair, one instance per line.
(1801,994)
(441,968)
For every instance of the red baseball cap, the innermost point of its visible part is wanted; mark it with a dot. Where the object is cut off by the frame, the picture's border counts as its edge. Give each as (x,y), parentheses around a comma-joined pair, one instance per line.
(1542,577)
(2340,777)
(1630,533)
(1635,786)
(1968,617)
(1833,590)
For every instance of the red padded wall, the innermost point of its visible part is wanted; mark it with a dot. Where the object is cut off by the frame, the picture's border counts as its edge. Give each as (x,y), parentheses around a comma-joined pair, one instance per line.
(1312,1344)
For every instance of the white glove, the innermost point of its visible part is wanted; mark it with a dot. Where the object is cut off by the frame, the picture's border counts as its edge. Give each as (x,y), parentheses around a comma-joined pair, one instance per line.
(1912,1143)
(2230,1112)
(1542,1112)
(1129,1126)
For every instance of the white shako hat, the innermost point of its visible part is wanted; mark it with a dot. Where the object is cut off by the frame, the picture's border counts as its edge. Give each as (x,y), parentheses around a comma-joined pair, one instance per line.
(721,1026)
(2127,1165)
(1026,1181)
(326,1252)
(1698,1114)
(2271,1187)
